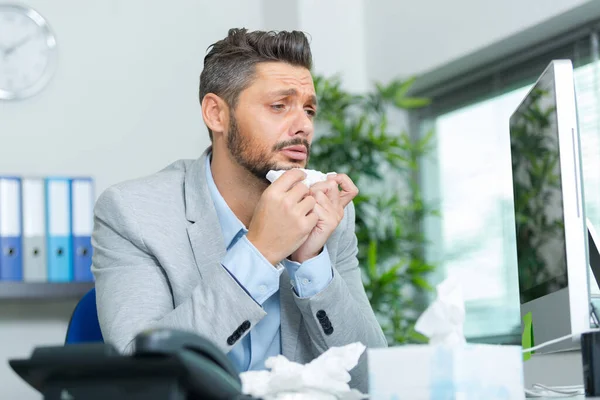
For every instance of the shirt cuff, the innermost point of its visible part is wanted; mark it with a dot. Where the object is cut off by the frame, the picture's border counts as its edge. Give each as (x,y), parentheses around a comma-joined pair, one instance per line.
(253,272)
(312,276)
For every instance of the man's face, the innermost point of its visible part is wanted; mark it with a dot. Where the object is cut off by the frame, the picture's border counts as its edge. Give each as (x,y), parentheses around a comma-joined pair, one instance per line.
(272,125)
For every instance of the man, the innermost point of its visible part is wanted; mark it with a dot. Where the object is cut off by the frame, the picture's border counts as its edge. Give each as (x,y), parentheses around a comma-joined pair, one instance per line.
(210,246)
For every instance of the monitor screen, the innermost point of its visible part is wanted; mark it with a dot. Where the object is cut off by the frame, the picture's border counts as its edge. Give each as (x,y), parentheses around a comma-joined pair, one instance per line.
(539,218)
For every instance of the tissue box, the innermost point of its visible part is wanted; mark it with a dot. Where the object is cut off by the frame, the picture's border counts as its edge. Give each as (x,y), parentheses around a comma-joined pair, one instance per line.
(432,372)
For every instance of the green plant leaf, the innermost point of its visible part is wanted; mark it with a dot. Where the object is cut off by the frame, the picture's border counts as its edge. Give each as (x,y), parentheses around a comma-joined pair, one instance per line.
(425,141)
(417,337)
(421,283)
(372,258)
(390,275)
(410,103)
(418,266)
(405,87)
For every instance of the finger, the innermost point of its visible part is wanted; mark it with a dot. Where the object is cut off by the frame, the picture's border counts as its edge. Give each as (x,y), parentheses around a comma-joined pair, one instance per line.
(307,205)
(298,192)
(313,217)
(288,180)
(324,201)
(323,214)
(331,209)
(349,189)
(330,188)
(320,211)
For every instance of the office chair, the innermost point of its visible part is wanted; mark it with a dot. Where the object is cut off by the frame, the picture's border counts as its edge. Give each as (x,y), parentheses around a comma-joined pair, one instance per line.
(84,326)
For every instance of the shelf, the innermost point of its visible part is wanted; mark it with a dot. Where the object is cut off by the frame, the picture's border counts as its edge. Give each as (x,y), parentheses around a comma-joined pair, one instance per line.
(43,290)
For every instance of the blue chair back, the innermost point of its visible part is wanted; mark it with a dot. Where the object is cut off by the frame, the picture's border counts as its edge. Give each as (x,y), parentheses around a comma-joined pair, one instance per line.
(84,326)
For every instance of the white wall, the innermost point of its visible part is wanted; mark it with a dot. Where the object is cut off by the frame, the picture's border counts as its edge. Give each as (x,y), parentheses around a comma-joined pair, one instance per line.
(122,104)
(336,34)
(338,42)
(406,38)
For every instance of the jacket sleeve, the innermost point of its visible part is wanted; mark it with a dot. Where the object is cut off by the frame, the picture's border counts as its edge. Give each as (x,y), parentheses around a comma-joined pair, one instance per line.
(341,313)
(133,292)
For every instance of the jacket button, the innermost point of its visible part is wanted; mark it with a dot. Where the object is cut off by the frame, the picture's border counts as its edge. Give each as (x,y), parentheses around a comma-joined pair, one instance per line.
(329,330)
(245,326)
(321,314)
(230,340)
(326,324)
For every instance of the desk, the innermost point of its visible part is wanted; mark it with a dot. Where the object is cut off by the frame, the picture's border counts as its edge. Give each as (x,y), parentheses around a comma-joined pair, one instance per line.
(555,369)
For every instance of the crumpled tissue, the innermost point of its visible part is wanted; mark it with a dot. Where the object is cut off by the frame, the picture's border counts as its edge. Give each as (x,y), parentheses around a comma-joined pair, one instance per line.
(324,378)
(312,176)
(448,367)
(443,321)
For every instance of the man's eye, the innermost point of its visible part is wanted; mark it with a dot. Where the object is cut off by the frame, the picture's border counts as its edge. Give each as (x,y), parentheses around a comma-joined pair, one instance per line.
(278,107)
(310,112)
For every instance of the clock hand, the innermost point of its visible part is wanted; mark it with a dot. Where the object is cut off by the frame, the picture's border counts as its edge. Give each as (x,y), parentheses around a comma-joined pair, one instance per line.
(11,49)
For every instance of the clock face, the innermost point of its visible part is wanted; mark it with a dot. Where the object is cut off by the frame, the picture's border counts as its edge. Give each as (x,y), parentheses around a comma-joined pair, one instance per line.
(27,52)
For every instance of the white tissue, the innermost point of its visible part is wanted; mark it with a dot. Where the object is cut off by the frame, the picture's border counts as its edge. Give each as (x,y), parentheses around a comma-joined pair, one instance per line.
(312,176)
(443,321)
(324,378)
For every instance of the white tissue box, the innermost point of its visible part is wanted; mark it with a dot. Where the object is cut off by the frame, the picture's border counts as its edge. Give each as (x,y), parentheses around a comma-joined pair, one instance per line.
(432,372)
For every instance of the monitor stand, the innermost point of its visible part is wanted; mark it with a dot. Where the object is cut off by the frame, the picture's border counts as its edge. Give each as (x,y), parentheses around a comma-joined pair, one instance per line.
(564,368)
(594,251)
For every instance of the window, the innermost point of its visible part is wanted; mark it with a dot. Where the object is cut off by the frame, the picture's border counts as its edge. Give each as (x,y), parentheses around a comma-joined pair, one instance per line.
(477,222)
(469,179)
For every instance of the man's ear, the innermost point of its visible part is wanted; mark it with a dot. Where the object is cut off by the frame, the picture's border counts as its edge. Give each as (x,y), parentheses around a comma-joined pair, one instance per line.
(215,113)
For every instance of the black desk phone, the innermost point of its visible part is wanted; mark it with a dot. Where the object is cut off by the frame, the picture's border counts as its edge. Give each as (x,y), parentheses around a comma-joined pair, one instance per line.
(165,364)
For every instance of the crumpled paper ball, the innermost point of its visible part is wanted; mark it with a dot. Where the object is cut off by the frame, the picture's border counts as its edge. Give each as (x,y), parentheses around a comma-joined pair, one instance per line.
(324,378)
(312,176)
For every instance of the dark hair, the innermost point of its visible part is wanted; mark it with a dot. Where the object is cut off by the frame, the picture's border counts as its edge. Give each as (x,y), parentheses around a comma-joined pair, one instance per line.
(229,66)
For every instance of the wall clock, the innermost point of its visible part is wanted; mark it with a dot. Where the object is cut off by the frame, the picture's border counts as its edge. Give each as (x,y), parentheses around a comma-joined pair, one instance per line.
(27,52)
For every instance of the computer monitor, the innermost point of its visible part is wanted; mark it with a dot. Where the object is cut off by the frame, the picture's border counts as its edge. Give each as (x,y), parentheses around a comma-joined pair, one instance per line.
(550,218)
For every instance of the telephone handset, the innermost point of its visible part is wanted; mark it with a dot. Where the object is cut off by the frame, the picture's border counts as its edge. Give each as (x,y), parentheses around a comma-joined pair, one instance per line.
(209,372)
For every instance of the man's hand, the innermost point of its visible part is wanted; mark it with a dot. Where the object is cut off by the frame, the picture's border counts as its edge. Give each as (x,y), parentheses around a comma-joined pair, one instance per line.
(330,210)
(283,217)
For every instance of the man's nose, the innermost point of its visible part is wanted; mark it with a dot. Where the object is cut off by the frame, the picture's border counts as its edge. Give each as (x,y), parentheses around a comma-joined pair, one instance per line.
(302,125)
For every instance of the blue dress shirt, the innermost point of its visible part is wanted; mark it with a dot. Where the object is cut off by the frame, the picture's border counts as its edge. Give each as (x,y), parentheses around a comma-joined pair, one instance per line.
(260,279)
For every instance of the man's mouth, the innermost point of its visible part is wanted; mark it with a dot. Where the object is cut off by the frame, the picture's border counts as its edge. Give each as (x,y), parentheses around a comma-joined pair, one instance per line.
(298,153)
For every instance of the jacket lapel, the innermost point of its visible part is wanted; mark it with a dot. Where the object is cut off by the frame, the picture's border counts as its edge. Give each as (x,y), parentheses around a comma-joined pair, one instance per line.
(290,317)
(204,232)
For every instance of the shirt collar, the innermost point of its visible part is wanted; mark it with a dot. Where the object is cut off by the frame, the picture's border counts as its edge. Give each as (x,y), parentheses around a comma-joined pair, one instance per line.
(231,226)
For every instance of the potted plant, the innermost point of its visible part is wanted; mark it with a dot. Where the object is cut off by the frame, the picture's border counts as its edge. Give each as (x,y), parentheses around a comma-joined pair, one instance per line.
(354,137)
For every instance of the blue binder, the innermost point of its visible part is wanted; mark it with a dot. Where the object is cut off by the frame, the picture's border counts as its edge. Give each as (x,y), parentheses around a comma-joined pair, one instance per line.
(58,230)
(82,219)
(11,258)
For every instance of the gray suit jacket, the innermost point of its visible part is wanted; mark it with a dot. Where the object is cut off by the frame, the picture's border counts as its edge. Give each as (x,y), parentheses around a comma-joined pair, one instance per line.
(157,251)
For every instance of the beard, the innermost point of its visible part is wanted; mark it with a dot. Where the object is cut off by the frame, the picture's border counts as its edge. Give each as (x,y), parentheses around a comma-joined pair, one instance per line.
(256,159)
